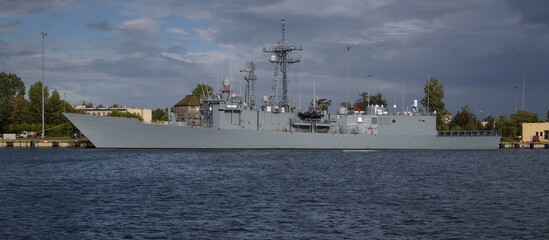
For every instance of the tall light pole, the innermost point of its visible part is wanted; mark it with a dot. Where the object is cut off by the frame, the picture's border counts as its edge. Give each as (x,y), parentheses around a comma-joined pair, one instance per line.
(523,74)
(43,36)
(348,48)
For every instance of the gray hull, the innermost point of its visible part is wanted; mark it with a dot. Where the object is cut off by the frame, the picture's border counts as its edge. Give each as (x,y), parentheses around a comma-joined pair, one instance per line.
(113,132)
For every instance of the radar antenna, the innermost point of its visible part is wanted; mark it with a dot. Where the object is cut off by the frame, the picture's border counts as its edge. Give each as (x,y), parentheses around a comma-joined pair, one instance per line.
(249,97)
(281,58)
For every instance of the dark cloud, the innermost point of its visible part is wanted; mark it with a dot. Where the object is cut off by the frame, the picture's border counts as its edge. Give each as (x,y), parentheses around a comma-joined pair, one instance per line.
(533,11)
(102,25)
(477,49)
(9,8)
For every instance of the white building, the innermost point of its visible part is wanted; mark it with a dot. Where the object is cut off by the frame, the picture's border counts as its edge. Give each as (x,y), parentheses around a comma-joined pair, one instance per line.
(145,113)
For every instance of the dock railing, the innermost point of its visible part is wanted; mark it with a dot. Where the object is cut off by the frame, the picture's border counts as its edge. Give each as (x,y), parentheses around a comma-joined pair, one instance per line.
(476,133)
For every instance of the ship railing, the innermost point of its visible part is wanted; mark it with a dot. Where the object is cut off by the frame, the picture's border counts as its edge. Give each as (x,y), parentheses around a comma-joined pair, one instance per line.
(476,133)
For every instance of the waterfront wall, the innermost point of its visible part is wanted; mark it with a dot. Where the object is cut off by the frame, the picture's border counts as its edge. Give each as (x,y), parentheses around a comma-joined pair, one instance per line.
(45,143)
(519,145)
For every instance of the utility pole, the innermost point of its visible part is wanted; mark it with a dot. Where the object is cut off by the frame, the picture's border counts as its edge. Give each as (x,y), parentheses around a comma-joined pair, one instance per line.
(523,75)
(43,83)
(348,48)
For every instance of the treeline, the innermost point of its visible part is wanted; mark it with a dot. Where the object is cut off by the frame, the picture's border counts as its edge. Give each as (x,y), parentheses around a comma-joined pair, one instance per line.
(18,113)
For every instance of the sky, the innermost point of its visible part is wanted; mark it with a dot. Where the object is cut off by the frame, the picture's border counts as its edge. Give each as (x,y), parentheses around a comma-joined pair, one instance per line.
(150,54)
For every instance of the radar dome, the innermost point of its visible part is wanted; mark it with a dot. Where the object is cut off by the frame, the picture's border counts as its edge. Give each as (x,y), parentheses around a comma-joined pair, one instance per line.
(226,83)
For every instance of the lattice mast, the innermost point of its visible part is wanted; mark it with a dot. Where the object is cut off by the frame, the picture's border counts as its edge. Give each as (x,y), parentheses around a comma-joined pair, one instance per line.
(281,58)
(249,97)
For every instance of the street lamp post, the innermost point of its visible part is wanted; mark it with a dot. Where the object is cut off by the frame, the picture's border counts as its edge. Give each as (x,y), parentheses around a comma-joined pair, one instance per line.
(43,36)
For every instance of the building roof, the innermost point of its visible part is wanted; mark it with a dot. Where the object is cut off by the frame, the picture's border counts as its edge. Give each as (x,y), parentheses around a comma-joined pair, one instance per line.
(189,100)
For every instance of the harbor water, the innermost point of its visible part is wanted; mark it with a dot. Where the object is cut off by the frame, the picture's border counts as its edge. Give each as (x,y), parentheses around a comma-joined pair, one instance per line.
(194,194)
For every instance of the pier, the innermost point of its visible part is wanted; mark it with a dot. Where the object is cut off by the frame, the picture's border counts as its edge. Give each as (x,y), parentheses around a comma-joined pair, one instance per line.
(45,143)
(523,145)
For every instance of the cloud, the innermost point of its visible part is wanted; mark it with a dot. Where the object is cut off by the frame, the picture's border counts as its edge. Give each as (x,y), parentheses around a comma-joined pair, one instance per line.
(9,25)
(315,8)
(139,29)
(533,11)
(178,31)
(194,10)
(102,25)
(19,8)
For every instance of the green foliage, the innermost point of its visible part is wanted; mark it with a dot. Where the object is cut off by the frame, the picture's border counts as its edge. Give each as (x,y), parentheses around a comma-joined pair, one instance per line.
(465,119)
(18,114)
(160,115)
(346,104)
(323,103)
(507,126)
(33,113)
(202,90)
(434,93)
(364,101)
(378,100)
(117,113)
(523,116)
(54,109)
(12,88)
(489,122)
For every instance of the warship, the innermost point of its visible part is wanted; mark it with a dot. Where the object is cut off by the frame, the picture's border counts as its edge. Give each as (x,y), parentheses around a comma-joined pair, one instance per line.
(228,121)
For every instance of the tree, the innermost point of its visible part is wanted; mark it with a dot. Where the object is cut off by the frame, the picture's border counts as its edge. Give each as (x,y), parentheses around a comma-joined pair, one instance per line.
(33,112)
(202,90)
(434,93)
(523,116)
(347,105)
(117,113)
(54,109)
(507,126)
(489,122)
(378,100)
(465,119)
(11,88)
(160,115)
(17,108)
(323,103)
(362,102)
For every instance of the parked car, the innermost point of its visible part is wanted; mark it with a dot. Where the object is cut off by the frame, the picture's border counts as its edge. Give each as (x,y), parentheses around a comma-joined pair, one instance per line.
(26,134)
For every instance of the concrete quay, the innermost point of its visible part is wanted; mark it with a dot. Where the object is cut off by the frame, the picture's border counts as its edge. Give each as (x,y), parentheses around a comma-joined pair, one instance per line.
(523,145)
(45,143)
